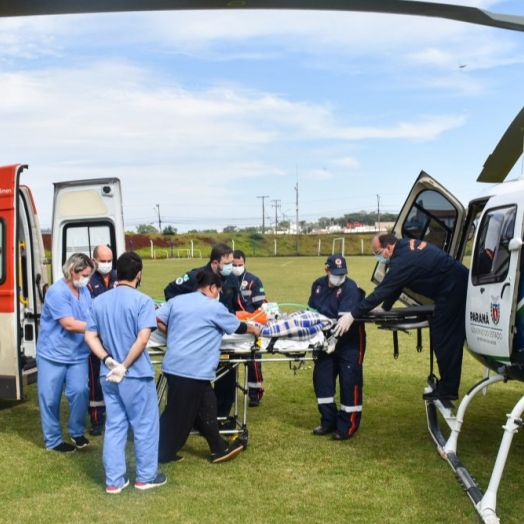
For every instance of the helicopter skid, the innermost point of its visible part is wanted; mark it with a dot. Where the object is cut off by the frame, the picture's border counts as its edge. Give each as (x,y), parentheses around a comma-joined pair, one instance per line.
(485,504)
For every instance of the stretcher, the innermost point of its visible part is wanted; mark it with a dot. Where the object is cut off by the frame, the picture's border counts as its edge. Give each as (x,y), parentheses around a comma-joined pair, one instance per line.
(295,339)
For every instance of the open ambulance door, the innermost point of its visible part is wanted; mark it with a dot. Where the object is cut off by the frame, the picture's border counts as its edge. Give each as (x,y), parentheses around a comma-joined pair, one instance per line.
(23,282)
(86,213)
(430,213)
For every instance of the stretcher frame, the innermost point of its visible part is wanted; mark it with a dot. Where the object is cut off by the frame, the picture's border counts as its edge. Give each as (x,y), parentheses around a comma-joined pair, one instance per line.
(236,425)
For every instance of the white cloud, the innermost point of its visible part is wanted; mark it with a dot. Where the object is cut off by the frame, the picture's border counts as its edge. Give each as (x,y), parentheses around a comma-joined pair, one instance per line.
(165,101)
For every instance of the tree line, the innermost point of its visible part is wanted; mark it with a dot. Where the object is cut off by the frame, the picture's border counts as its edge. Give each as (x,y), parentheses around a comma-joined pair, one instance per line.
(361,217)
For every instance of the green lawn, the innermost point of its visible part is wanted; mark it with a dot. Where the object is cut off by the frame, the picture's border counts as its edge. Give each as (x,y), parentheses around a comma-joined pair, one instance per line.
(389,473)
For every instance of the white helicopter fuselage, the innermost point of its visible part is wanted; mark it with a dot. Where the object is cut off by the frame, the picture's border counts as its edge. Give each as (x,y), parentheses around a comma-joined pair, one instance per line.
(494,316)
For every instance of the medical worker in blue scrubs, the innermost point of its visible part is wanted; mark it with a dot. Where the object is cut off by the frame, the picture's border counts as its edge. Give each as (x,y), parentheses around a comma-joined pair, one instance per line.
(61,354)
(117,332)
(195,323)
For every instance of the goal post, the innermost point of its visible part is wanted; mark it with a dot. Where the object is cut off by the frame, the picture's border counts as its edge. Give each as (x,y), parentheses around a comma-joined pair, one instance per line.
(338,241)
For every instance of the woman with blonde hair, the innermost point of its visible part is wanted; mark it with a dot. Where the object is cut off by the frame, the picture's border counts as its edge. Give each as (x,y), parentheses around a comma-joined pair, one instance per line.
(61,354)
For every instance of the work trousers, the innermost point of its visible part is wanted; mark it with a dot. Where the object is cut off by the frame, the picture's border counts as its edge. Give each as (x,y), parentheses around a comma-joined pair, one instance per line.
(133,402)
(52,376)
(97,407)
(225,392)
(190,403)
(255,378)
(448,332)
(346,364)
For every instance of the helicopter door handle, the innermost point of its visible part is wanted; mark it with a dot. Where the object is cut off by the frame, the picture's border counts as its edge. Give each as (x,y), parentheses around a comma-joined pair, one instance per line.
(503,289)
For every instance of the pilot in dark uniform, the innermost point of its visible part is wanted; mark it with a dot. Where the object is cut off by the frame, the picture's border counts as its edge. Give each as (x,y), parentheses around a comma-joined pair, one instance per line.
(429,271)
(334,295)
(252,296)
(220,263)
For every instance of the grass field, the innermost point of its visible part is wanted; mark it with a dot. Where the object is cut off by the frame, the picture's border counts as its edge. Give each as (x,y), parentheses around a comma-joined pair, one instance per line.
(389,473)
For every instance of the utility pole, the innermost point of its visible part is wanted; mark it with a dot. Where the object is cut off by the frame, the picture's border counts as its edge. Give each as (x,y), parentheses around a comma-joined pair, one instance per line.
(296,206)
(263,213)
(275,205)
(157,211)
(378,212)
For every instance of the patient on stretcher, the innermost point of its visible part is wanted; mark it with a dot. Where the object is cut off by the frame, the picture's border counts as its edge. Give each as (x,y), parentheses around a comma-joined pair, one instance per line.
(294,332)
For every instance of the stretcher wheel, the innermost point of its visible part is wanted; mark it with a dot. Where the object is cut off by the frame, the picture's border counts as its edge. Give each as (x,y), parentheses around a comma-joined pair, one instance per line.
(243,438)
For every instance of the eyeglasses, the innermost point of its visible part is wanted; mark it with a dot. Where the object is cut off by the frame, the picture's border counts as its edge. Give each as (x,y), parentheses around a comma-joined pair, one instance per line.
(378,252)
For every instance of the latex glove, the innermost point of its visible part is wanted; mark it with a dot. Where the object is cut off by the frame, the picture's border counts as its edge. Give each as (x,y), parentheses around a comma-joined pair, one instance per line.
(111,363)
(343,324)
(331,342)
(116,374)
(377,310)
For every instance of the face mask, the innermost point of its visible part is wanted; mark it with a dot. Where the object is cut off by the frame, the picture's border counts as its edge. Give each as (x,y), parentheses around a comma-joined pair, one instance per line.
(336,280)
(382,259)
(218,296)
(105,267)
(81,282)
(238,270)
(226,269)
(138,282)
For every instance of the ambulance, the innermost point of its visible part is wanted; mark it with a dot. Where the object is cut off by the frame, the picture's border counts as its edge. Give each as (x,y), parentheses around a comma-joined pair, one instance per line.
(86,213)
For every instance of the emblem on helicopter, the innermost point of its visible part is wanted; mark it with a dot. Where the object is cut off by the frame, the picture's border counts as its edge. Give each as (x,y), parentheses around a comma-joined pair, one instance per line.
(495,309)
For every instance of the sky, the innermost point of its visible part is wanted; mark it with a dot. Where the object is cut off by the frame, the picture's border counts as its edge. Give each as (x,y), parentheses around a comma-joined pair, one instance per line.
(201,113)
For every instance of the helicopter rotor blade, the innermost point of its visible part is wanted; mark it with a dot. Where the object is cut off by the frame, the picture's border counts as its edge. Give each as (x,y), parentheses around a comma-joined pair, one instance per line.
(505,155)
(461,13)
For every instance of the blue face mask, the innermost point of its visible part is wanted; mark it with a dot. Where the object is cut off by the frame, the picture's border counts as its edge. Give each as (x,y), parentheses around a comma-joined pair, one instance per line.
(226,269)
(381,259)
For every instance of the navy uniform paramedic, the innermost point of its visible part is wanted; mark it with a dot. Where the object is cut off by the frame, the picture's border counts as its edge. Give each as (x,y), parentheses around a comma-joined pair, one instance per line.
(118,330)
(333,295)
(429,271)
(220,263)
(102,280)
(252,296)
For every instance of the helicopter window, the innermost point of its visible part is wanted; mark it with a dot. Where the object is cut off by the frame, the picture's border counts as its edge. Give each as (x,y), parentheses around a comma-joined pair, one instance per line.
(431,218)
(492,256)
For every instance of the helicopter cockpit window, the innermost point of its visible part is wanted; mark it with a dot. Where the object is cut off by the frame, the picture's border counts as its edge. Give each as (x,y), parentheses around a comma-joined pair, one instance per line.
(492,256)
(431,218)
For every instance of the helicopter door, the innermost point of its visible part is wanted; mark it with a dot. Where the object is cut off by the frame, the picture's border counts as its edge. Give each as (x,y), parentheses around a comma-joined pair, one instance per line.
(430,213)
(86,213)
(493,286)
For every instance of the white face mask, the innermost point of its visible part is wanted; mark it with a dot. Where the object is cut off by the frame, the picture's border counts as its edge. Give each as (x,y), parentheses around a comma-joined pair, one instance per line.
(81,282)
(226,269)
(104,267)
(336,280)
(238,270)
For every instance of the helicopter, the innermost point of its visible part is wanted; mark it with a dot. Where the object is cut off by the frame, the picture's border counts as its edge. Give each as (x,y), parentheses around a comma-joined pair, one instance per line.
(494,320)
(460,13)
(495,297)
